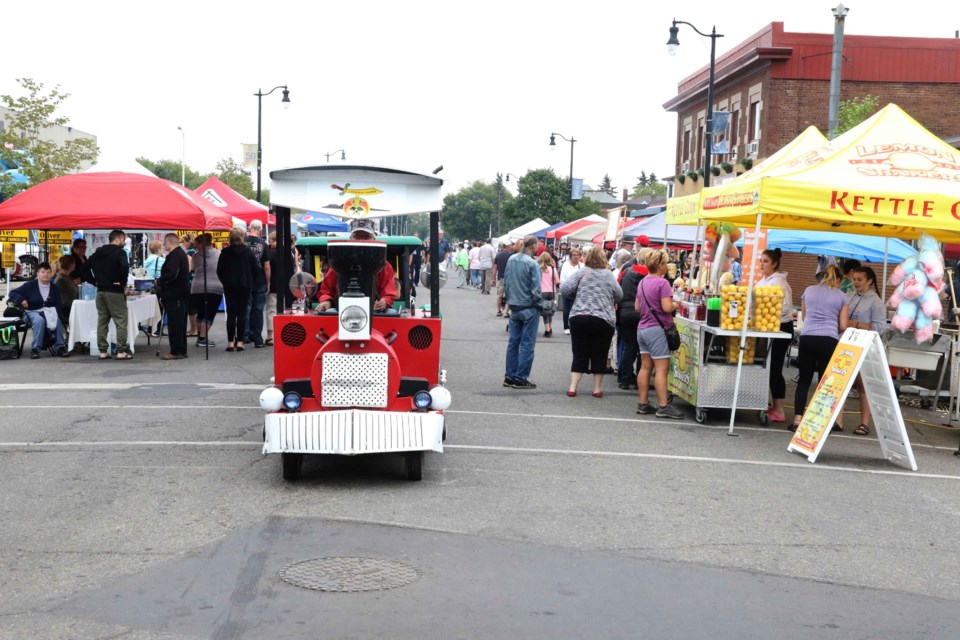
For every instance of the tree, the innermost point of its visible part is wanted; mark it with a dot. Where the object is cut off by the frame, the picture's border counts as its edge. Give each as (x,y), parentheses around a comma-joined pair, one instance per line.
(648,186)
(471,211)
(606,185)
(170,170)
(854,111)
(22,140)
(232,173)
(542,194)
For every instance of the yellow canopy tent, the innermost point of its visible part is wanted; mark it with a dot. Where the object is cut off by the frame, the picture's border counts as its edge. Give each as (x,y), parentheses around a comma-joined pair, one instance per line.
(888,176)
(810,146)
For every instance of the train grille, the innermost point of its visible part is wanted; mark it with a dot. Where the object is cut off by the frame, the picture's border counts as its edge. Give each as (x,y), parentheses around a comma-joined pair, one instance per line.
(354,380)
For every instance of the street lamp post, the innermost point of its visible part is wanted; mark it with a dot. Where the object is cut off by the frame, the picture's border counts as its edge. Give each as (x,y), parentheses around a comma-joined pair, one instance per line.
(672,45)
(343,154)
(500,180)
(183,159)
(553,147)
(286,104)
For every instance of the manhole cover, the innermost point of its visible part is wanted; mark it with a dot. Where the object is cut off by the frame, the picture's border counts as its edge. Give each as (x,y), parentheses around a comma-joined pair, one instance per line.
(348,574)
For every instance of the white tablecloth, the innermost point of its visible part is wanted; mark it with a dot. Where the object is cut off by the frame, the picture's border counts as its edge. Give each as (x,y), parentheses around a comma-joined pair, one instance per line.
(83,321)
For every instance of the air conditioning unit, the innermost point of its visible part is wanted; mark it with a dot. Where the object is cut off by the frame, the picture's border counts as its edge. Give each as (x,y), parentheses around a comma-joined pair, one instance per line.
(684,167)
(752,148)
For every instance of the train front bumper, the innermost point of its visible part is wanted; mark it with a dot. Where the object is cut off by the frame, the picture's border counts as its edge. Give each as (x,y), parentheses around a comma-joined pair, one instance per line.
(352,432)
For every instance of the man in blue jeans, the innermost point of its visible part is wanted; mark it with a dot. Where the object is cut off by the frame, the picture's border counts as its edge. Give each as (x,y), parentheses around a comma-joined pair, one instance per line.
(522,294)
(258,295)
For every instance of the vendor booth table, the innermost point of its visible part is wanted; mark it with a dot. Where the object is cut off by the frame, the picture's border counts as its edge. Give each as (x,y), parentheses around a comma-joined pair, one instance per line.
(143,310)
(702,373)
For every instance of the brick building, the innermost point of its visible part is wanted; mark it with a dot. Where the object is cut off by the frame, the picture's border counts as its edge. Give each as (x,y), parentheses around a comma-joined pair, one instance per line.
(777,83)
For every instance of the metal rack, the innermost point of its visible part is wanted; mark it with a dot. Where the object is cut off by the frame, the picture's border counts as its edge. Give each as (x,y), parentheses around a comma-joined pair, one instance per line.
(701,374)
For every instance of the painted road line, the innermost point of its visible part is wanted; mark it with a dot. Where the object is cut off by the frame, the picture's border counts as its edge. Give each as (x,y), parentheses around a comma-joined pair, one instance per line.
(525,416)
(706,459)
(123,386)
(480,448)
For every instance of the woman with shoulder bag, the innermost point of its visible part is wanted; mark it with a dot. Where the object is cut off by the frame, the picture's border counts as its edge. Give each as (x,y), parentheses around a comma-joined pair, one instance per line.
(655,306)
(595,293)
(549,279)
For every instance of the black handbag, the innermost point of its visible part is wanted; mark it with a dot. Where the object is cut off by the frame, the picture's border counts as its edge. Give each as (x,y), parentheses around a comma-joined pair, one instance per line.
(13,310)
(673,336)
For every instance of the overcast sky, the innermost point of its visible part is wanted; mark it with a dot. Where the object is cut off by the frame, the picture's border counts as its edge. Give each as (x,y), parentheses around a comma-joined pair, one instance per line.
(474,86)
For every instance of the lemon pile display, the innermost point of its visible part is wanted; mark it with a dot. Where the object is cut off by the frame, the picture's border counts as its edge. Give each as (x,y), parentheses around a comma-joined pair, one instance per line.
(749,350)
(768,304)
(732,297)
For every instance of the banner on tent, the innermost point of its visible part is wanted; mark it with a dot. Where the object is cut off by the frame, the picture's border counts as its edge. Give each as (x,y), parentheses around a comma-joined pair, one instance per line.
(217,236)
(55,237)
(9,256)
(15,235)
(751,258)
(858,352)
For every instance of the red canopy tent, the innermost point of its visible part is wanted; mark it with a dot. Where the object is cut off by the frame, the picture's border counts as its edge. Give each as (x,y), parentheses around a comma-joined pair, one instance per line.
(574,226)
(110,200)
(221,195)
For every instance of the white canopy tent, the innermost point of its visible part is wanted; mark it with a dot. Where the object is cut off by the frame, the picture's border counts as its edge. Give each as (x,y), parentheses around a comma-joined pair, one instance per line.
(528,228)
(124,165)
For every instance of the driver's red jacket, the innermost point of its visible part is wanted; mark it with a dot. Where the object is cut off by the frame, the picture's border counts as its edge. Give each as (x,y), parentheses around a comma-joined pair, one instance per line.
(386,287)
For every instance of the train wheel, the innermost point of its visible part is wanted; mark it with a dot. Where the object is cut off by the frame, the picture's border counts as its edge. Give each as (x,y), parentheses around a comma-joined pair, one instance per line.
(413,461)
(291,464)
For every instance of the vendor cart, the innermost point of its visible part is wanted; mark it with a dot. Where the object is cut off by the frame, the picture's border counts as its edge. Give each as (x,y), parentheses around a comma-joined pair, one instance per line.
(703,371)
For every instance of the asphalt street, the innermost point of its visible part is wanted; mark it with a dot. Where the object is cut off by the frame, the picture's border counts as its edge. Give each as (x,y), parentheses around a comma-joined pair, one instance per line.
(136,504)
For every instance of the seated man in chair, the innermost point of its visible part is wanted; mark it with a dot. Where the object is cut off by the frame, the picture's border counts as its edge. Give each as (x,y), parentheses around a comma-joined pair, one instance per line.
(36,296)
(386,285)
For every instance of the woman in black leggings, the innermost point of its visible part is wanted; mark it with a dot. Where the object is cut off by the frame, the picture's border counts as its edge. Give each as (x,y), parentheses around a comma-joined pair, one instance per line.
(825,315)
(773,277)
(237,272)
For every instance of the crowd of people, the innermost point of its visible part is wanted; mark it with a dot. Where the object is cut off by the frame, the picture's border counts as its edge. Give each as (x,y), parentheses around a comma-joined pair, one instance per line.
(618,307)
(191,277)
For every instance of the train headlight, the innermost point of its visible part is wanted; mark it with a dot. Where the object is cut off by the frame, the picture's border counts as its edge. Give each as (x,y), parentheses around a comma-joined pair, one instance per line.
(422,400)
(271,399)
(440,398)
(353,319)
(292,401)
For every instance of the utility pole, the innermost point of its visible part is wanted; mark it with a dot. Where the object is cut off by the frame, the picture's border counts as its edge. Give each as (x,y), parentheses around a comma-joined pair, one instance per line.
(836,67)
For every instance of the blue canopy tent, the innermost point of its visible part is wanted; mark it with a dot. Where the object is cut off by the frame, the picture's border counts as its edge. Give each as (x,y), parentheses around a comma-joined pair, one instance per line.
(542,234)
(840,245)
(321,222)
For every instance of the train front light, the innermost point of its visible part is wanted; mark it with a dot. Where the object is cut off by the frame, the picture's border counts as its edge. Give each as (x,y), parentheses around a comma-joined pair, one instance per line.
(353,319)
(422,400)
(292,401)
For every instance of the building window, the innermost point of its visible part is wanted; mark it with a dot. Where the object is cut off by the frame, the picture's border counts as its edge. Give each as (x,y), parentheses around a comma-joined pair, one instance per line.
(754,121)
(685,155)
(700,139)
(734,132)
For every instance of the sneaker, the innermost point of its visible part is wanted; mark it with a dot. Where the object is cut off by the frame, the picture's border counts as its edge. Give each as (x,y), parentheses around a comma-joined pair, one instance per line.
(645,408)
(34,354)
(566,332)
(203,342)
(670,411)
(509,382)
(63,353)
(524,384)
